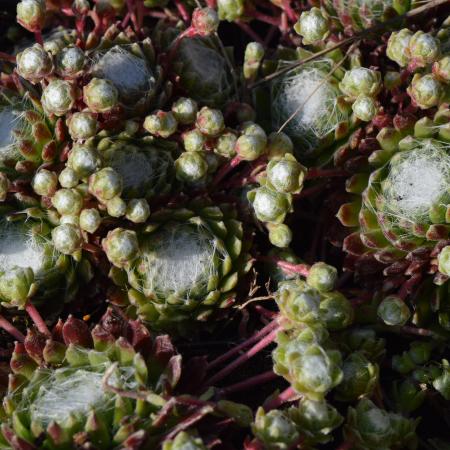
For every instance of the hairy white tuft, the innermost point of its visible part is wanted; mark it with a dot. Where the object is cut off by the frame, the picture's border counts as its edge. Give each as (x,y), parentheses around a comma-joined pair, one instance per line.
(9,121)
(128,73)
(418,180)
(139,168)
(179,259)
(18,248)
(58,394)
(313,98)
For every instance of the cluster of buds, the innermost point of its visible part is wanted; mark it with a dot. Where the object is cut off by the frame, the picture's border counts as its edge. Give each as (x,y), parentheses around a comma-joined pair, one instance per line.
(421,51)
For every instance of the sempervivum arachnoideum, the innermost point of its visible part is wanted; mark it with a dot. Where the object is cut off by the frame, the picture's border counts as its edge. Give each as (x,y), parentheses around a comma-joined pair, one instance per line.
(210,84)
(182,265)
(358,15)
(399,213)
(26,243)
(59,397)
(317,104)
(130,65)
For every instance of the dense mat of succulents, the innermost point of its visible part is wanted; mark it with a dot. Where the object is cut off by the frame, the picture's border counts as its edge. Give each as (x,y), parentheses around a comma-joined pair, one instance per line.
(225,224)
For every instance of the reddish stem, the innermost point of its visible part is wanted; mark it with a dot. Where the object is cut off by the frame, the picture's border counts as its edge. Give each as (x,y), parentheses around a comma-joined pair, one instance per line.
(266,19)
(263,343)
(286,396)
(184,13)
(37,318)
(131,4)
(250,382)
(246,29)
(6,57)
(11,329)
(347,445)
(293,16)
(310,191)
(225,169)
(301,269)
(315,172)
(251,340)
(38,37)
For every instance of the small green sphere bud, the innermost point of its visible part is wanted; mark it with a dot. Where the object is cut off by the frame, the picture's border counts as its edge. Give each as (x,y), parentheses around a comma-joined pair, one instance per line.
(73,220)
(230,10)
(34,63)
(425,91)
(225,144)
(444,261)
(322,277)
(313,26)
(360,378)
(397,48)
(31,14)
(100,95)
(441,69)
(121,247)
(82,125)
(254,53)
(191,166)
(210,121)
(193,140)
(70,62)
(184,441)
(68,178)
(275,430)
(280,234)
(423,49)
(286,174)
(205,21)
(45,182)
(67,238)
(90,220)
(84,160)
(105,184)
(58,97)
(278,144)
(393,311)
(269,206)
(67,202)
(250,128)
(4,186)
(138,210)
(161,123)
(364,108)
(17,285)
(116,207)
(335,311)
(250,147)
(185,110)
(360,81)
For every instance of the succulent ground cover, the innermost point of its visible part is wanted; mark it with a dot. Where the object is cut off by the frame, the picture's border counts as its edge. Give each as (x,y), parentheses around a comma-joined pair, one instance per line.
(225,224)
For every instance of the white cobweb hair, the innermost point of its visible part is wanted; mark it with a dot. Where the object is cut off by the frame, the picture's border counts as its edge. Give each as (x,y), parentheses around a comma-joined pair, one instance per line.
(180,259)
(130,74)
(307,91)
(57,394)
(372,10)
(19,247)
(205,63)
(417,180)
(139,168)
(11,119)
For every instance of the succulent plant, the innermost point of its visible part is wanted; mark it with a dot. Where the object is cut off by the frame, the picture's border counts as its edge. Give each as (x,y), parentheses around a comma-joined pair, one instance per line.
(211,85)
(165,286)
(67,388)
